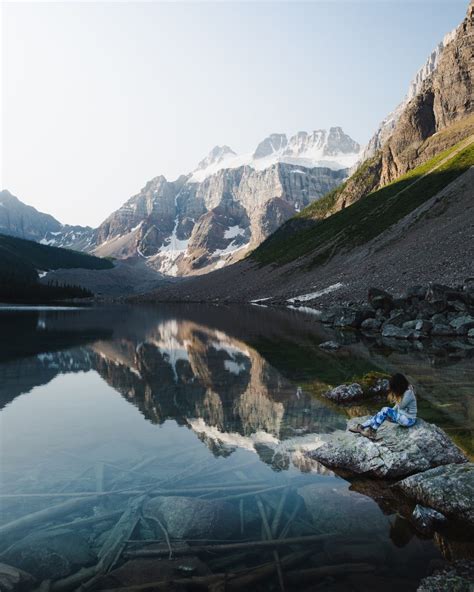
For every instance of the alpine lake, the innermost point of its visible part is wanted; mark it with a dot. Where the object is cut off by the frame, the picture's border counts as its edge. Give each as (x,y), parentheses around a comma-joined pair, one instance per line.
(166,443)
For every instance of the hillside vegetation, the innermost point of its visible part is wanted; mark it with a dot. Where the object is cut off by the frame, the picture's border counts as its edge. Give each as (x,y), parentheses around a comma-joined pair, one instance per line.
(360,222)
(20,261)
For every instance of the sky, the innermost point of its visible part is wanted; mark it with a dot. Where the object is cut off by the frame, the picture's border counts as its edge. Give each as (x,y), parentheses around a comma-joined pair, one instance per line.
(99,98)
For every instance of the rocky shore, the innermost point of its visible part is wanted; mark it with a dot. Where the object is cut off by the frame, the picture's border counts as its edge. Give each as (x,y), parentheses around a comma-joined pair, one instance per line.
(434,310)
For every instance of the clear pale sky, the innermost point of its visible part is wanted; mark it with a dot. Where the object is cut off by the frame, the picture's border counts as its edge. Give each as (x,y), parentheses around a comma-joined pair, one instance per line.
(98,98)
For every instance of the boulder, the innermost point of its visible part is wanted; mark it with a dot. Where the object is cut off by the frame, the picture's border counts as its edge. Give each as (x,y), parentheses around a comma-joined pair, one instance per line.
(396,332)
(380,300)
(330,346)
(335,509)
(427,519)
(442,331)
(457,577)
(15,580)
(371,325)
(449,489)
(416,292)
(379,386)
(345,393)
(328,315)
(439,319)
(193,518)
(462,324)
(349,317)
(437,292)
(399,452)
(423,326)
(398,318)
(51,555)
(457,305)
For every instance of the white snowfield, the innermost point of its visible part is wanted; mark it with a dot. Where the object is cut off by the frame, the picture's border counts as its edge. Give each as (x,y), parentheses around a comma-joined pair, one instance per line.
(305,149)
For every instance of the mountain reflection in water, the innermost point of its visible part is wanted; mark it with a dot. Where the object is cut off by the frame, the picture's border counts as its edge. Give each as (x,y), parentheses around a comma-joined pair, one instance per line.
(221,394)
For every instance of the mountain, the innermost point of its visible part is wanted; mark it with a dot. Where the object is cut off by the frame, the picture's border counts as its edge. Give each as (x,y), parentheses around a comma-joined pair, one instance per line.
(23,221)
(388,124)
(404,217)
(228,205)
(330,149)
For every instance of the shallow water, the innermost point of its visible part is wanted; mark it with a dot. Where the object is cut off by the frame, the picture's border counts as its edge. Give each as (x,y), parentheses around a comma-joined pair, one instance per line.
(211,402)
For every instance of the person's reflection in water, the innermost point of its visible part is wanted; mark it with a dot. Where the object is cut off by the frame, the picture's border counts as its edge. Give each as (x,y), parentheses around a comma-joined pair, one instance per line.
(401,532)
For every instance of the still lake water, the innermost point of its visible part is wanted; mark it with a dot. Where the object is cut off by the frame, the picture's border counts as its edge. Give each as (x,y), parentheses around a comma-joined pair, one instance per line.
(209,402)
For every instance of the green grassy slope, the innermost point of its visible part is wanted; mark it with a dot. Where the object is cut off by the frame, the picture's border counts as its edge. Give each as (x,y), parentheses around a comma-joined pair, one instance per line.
(365,219)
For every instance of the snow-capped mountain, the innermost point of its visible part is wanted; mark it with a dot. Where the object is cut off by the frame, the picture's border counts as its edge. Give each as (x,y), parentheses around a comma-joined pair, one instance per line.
(23,221)
(210,217)
(321,148)
(229,204)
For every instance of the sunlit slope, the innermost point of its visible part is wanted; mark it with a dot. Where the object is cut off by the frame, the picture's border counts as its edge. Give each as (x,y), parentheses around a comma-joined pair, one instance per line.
(317,240)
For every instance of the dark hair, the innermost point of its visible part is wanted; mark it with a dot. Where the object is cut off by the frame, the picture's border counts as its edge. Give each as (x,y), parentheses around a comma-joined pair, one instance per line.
(398,384)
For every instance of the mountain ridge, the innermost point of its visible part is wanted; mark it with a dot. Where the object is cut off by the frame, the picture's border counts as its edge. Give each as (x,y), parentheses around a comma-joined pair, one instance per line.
(24,221)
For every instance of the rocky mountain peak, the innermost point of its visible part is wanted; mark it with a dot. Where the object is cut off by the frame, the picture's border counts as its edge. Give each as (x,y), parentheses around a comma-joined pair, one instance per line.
(216,156)
(337,141)
(270,145)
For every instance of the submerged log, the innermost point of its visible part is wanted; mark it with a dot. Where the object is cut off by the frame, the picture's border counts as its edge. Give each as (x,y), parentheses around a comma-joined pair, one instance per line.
(73,581)
(247,545)
(234,582)
(42,516)
(269,536)
(87,521)
(279,512)
(291,519)
(117,539)
(154,492)
(115,543)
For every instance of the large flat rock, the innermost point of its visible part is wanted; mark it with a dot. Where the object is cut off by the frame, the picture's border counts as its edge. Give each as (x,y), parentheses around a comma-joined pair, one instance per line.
(448,489)
(400,452)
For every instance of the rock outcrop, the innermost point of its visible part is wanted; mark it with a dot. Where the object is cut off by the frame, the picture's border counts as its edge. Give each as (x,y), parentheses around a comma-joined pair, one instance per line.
(449,489)
(400,451)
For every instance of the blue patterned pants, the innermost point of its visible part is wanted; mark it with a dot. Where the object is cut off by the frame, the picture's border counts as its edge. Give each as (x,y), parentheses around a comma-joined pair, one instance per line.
(392,415)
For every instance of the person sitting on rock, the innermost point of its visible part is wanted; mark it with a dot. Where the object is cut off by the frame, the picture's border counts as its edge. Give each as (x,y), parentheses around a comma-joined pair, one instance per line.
(404,411)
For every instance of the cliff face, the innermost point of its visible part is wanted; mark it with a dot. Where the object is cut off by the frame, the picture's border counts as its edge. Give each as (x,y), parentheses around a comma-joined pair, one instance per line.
(445,97)
(186,227)
(436,114)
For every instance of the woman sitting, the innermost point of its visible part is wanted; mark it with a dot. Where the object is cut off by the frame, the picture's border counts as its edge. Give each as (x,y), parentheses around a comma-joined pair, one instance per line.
(404,411)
